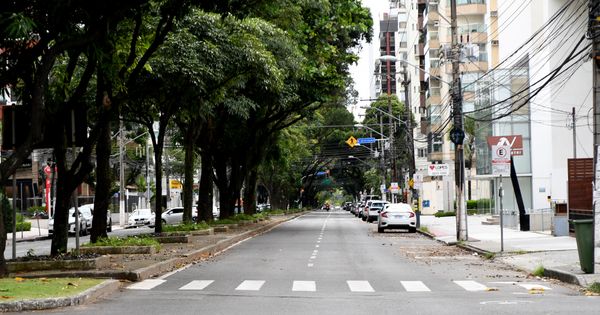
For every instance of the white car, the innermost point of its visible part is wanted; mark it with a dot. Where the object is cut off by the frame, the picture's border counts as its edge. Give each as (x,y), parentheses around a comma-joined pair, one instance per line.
(140,217)
(397,216)
(175,215)
(372,211)
(85,221)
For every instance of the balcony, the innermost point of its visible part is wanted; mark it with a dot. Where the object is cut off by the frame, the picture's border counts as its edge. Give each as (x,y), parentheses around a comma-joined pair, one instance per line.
(471,8)
(433,16)
(436,156)
(477,37)
(434,99)
(422,101)
(424,128)
(434,43)
(476,66)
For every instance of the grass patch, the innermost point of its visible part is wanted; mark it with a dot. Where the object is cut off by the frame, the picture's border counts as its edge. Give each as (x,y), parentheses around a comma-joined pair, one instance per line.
(425,229)
(126,241)
(274,212)
(186,227)
(538,271)
(222,221)
(490,256)
(594,288)
(16,289)
(519,252)
(263,216)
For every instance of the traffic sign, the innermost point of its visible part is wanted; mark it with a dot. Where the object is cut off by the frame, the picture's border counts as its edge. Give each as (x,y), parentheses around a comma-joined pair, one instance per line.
(351,141)
(366,140)
(394,188)
(438,170)
(501,160)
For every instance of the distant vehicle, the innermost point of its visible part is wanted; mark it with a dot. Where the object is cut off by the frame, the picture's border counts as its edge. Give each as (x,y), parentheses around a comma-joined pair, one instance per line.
(326,206)
(174,215)
(397,216)
(263,207)
(141,217)
(347,206)
(373,210)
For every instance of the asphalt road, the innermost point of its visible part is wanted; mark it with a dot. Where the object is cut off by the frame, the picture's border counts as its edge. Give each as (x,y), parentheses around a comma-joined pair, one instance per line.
(332,263)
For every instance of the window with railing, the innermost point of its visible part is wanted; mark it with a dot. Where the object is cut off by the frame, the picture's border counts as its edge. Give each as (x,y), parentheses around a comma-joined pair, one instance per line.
(464,2)
(472,28)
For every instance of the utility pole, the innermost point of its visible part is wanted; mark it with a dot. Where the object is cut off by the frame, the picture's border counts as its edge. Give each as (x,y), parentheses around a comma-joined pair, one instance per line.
(593,33)
(457,134)
(409,130)
(574,134)
(382,161)
(121,177)
(389,97)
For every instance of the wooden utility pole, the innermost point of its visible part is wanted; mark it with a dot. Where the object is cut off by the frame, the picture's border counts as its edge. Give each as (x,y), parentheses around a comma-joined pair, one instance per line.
(593,33)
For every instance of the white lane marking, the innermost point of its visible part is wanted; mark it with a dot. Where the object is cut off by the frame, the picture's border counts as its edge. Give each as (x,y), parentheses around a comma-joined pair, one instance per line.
(197,285)
(304,286)
(317,246)
(415,286)
(359,286)
(533,286)
(313,257)
(311,265)
(250,285)
(315,251)
(471,285)
(147,284)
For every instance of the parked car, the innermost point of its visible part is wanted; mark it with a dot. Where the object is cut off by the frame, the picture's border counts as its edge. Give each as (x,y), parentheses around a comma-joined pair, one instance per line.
(263,207)
(397,216)
(364,211)
(141,217)
(175,215)
(85,220)
(347,206)
(373,210)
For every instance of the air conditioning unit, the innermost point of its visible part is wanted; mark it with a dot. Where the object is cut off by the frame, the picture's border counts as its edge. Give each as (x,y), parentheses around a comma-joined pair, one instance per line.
(495,42)
(494,13)
(436,23)
(433,2)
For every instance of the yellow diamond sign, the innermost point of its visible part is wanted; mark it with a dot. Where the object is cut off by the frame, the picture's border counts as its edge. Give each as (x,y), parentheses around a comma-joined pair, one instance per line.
(351,141)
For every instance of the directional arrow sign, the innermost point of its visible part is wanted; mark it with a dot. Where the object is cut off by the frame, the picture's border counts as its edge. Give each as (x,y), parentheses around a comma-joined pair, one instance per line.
(351,141)
(366,140)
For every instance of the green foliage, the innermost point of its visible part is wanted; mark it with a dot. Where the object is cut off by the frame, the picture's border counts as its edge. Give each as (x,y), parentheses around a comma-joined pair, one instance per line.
(441,214)
(23,226)
(594,288)
(32,210)
(471,204)
(186,227)
(274,212)
(126,241)
(538,271)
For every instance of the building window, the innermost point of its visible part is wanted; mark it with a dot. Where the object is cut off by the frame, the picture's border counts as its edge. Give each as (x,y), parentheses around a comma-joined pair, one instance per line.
(422,153)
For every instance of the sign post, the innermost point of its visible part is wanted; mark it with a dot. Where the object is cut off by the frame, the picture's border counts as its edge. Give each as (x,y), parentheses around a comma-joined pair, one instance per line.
(501,166)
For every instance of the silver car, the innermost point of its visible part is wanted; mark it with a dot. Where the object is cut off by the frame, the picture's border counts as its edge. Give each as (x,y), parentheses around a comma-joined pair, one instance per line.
(397,216)
(373,210)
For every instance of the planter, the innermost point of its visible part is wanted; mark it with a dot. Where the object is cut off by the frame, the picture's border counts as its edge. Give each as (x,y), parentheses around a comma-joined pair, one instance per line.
(75,264)
(221,229)
(173,238)
(116,250)
(209,231)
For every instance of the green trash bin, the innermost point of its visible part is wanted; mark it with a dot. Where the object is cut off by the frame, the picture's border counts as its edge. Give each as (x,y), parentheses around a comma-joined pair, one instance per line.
(584,234)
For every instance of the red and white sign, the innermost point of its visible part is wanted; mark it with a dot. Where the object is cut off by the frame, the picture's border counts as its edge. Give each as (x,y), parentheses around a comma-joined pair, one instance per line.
(515,143)
(438,170)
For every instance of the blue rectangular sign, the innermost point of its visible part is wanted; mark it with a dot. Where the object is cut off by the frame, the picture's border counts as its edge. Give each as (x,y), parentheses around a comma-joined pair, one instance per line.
(366,140)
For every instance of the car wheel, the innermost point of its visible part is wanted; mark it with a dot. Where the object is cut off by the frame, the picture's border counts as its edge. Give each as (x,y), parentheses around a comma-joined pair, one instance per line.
(380,229)
(109,227)
(164,222)
(412,230)
(364,218)
(82,231)
(369,220)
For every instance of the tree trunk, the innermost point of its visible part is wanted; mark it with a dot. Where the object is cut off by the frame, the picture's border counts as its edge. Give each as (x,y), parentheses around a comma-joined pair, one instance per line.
(188,182)
(205,191)
(61,211)
(250,192)
(158,178)
(103,184)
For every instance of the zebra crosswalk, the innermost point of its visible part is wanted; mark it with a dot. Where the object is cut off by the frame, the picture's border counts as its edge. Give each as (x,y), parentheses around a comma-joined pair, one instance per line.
(359,286)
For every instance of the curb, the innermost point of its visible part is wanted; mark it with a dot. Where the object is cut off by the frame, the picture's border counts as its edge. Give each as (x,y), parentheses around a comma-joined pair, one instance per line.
(564,277)
(103,289)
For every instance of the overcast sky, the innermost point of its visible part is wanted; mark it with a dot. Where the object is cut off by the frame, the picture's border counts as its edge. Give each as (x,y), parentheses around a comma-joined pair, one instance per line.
(361,73)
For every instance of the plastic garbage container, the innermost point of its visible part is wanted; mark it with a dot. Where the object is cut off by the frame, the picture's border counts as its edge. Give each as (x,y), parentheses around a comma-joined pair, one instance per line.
(584,230)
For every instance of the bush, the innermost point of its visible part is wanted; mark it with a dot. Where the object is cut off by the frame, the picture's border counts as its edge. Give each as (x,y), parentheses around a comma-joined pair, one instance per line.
(485,203)
(23,226)
(440,214)
(31,211)
(471,204)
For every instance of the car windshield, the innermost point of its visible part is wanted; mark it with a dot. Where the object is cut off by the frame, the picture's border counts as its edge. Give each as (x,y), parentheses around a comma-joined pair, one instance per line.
(377,205)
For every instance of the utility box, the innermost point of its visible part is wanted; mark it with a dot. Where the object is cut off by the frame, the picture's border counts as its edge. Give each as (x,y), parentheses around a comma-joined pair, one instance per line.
(560,226)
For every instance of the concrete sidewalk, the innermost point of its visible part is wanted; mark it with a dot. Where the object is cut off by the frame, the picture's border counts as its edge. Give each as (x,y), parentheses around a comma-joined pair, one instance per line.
(523,250)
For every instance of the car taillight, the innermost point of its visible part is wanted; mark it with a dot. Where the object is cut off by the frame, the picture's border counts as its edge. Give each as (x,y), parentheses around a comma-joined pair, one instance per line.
(384,214)
(412,214)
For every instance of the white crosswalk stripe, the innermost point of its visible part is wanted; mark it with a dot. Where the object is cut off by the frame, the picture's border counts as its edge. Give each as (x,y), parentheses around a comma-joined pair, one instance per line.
(250,285)
(534,286)
(148,284)
(415,286)
(197,285)
(471,285)
(304,286)
(360,286)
